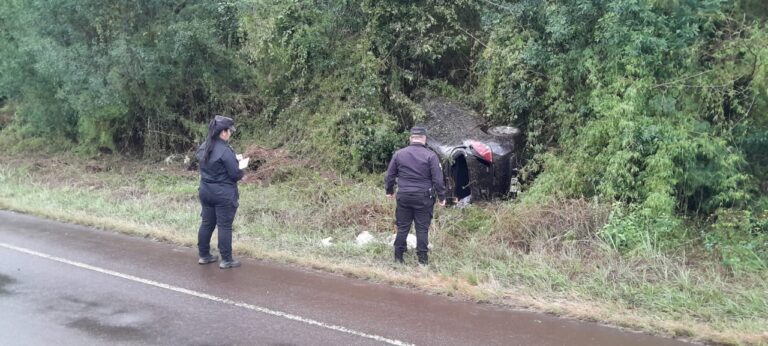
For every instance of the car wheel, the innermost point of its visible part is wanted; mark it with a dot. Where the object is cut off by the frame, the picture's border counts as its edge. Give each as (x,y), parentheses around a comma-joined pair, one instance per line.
(504,131)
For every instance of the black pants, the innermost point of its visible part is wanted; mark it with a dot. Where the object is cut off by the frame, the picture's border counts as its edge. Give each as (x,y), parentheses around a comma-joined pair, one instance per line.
(218,210)
(416,209)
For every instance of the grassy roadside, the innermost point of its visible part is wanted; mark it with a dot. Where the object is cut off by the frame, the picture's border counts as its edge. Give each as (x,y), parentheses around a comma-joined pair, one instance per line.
(544,257)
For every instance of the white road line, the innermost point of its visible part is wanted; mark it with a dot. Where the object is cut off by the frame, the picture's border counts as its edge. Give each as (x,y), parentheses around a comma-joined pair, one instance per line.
(207,296)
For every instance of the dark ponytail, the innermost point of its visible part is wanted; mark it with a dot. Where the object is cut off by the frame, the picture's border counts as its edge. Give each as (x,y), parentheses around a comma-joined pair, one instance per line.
(210,141)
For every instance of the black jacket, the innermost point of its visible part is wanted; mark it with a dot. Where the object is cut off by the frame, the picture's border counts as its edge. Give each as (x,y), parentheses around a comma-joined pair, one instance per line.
(417,170)
(220,174)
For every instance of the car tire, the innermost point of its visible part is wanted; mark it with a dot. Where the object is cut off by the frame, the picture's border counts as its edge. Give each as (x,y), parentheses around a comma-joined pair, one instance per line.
(504,131)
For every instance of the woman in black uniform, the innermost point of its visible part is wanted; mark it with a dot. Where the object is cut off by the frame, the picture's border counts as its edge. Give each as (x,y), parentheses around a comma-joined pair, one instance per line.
(219,173)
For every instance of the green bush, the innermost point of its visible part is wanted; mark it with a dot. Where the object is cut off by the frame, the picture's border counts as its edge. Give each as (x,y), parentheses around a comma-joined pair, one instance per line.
(656,105)
(640,231)
(368,140)
(740,238)
(121,75)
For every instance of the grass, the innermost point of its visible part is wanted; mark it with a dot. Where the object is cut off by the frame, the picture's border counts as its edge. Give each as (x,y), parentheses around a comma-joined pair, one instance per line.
(542,257)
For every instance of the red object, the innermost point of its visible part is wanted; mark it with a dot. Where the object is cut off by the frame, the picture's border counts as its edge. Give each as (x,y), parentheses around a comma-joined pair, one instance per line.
(482,150)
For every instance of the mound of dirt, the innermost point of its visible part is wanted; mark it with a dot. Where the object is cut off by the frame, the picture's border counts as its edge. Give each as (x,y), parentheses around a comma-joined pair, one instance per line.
(266,162)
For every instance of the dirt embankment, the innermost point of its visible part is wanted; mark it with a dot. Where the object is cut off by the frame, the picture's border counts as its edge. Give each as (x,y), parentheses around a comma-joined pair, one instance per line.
(266,166)
(275,165)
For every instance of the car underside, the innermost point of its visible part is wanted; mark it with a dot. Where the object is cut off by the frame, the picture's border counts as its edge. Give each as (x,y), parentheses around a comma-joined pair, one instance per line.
(479,162)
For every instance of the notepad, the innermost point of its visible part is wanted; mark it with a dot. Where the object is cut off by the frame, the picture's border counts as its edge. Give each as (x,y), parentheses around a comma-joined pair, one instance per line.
(244,163)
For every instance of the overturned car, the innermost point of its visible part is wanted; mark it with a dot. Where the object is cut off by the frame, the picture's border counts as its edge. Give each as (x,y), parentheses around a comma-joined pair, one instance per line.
(479,162)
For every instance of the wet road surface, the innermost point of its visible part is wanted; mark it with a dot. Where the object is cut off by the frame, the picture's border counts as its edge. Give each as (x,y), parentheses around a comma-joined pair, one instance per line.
(70,285)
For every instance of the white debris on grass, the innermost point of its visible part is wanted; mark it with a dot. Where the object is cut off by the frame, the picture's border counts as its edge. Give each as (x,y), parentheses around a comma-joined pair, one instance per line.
(326,241)
(410,241)
(364,238)
(176,158)
(464,202)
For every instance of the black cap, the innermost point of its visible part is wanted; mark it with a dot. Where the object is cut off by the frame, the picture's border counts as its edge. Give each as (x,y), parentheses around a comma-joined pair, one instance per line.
(418,131)
(221,123)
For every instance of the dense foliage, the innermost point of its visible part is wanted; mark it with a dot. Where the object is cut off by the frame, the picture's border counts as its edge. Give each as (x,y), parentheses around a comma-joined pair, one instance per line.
(657,106)
(124,75)
(660,106)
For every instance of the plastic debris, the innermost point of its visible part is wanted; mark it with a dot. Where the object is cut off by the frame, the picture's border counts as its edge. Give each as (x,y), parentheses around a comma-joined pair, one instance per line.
(464,202)
(410,241)
(364,238)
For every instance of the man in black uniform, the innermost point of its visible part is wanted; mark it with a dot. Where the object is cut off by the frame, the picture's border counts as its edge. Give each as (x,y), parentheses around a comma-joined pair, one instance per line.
(419,177)
(219,173)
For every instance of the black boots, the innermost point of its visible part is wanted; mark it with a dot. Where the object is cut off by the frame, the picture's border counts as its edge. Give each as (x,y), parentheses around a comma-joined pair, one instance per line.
(399,257)
(208,259)
(423,258)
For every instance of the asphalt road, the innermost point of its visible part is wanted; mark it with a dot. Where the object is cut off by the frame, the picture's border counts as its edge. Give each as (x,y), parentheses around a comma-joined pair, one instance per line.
(69,285)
